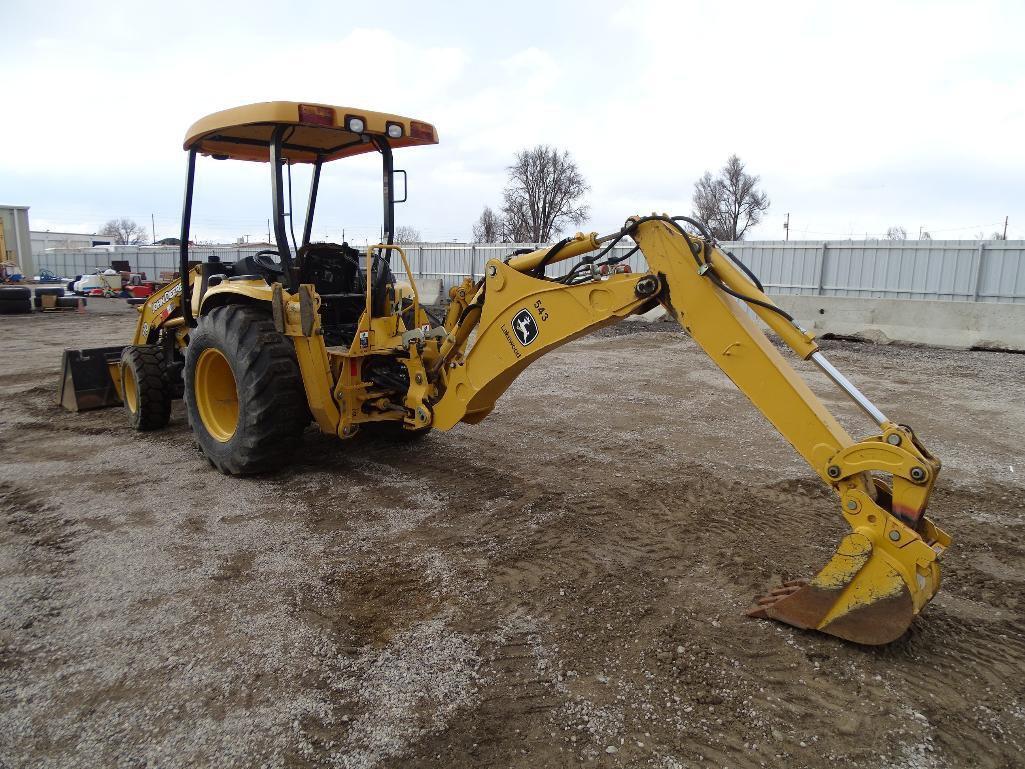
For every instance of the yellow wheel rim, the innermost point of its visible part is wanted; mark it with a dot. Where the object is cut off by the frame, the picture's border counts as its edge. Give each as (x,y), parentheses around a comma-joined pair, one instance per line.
(129,388)
(216,394)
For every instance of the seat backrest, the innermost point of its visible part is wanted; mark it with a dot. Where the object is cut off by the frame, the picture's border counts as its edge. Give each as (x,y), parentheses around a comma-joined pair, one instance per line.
(330,267)
(334,269)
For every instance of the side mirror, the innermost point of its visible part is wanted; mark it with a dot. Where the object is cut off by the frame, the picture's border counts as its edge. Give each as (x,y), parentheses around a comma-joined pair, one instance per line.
(405,186)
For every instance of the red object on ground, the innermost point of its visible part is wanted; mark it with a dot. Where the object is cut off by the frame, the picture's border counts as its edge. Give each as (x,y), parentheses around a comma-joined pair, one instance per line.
(140,291)
(96,292)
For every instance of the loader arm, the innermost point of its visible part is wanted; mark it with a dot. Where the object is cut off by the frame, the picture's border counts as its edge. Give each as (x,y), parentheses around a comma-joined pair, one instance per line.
(885,570)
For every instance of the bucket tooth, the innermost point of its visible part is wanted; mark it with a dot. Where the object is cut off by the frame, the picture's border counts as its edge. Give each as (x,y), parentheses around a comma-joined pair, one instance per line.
(764,603)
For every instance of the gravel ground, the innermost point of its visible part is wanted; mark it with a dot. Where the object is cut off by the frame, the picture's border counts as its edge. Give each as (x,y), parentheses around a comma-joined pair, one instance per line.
(561,585)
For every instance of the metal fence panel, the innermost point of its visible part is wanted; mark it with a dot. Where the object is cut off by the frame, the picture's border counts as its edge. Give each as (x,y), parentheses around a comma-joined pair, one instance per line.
(951,270)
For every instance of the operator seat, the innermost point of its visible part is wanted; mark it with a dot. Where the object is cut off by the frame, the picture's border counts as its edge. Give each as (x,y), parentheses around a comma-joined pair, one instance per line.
(334,270)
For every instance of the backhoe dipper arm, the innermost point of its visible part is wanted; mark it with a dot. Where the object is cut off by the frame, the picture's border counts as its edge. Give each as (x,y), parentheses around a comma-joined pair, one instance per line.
(885,570)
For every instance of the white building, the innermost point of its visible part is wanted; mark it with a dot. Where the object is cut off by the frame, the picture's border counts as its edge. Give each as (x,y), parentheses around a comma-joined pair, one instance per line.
(41,241)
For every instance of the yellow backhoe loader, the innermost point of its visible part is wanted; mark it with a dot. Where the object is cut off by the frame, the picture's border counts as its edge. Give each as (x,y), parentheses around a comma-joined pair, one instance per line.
(319,331)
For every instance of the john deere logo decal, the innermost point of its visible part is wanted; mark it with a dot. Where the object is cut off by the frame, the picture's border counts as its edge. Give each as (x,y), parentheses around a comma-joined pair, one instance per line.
(525,327)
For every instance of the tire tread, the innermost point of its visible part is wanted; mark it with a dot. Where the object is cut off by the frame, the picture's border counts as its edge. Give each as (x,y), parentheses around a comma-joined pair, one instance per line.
(155,388)
(272,399)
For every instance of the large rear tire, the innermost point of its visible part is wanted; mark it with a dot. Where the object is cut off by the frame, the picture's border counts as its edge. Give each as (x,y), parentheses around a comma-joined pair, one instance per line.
(243,391)
(146,387)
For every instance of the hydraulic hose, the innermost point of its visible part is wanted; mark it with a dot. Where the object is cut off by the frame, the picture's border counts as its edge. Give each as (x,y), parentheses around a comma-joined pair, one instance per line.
(550,254)
(705,265)
(749,273)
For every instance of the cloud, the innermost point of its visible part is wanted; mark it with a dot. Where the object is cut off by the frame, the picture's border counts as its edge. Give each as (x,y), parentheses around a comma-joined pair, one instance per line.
(856,117)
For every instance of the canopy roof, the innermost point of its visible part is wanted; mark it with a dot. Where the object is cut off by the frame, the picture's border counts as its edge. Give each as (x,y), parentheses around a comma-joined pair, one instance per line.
(244,133)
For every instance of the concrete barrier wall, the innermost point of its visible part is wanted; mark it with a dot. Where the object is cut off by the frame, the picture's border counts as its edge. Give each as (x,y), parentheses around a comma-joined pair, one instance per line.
(960,325)
(943,324)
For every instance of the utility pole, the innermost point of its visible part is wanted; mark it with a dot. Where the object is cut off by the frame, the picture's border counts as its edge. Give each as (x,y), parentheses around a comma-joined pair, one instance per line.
(153,224)
(786,228)
(1005,228)
(268,230)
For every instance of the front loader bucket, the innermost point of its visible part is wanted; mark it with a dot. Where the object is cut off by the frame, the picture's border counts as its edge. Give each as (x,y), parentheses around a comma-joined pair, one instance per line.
(867,593)
(89,379)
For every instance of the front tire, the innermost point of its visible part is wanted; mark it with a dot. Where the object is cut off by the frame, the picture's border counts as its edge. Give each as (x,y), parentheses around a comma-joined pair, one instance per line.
(146,387)
(243,391)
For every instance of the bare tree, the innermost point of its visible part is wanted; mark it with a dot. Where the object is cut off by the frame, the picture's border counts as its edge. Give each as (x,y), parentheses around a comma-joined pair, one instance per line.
(489,227)
(124,232)
(997,236)
(516,227)
(896,233)
(731,202)
(407,234)
(543,196)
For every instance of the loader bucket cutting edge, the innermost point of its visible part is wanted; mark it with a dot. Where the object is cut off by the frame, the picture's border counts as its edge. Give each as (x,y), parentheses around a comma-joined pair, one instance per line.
(860,595)
(88,378)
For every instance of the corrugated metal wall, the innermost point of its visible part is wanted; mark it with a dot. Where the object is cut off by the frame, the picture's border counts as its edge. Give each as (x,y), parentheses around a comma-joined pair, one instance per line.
(953,270)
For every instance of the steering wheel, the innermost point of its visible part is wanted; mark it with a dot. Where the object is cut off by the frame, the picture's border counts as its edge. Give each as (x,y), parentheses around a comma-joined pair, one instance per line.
(263,260)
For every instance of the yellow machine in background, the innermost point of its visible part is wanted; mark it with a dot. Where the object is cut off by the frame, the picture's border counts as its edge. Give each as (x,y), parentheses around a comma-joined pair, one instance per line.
(320,331)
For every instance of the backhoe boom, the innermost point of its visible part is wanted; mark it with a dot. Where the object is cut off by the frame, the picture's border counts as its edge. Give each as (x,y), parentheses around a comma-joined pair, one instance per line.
(885,570)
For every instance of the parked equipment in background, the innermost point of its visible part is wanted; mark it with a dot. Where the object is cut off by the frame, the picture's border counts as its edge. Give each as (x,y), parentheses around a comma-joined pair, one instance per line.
(112,283)
(135,284)
(48,276)
(322,331)
(101,280)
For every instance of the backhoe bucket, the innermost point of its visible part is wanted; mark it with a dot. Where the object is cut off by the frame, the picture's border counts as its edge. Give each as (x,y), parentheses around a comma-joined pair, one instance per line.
(867,593)
(89,379)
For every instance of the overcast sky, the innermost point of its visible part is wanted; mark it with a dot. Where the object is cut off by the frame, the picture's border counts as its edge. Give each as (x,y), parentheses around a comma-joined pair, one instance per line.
(857,116)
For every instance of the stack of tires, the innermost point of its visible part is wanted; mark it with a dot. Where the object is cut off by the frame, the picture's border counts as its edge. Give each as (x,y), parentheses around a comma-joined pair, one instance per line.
(63,302)
(15,300)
